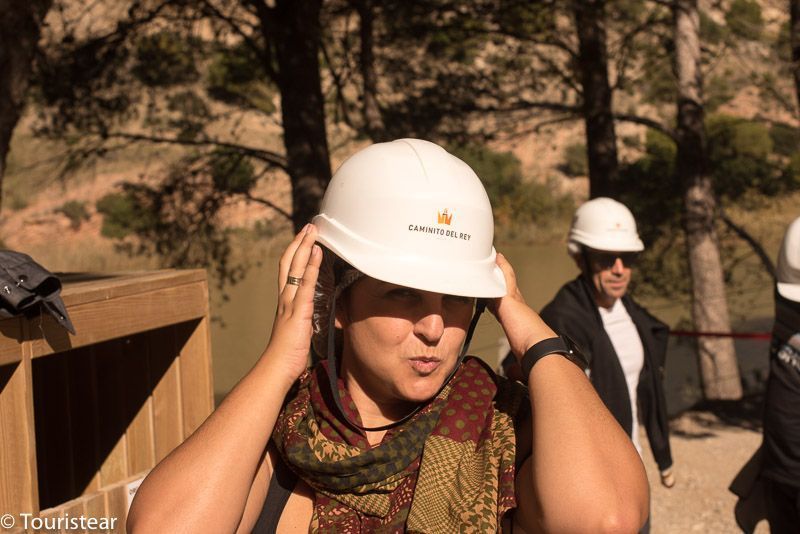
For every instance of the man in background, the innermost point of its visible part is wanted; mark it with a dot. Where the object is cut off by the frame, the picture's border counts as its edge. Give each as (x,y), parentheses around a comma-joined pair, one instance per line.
(626,346)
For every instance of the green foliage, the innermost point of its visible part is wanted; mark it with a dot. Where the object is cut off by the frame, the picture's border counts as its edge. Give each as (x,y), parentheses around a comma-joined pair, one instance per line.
(266,230)
(739,152)
(719,90)
(524,18)
(236,76)
(75,211)
(231,171)
(445,35)
(177,220)
(17,202)
(71,83)
(785,138)
(123,216)
(164,59)
(658,82)
(744,19)
(631,141)
(791,175)
(741,160)
(711,32)
(744,164)
(661,151)
(648,187)
(189,114)
(454,45)
(575,161)
(515,202)
(783,42)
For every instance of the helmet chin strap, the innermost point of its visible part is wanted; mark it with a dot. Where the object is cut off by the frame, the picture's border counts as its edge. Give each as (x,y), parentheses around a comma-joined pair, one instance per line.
(333,377)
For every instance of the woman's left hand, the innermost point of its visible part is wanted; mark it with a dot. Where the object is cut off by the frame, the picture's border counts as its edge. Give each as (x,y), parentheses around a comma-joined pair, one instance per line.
(523,326)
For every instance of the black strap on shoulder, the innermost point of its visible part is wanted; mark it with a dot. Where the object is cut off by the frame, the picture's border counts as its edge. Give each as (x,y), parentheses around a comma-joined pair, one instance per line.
(281,485)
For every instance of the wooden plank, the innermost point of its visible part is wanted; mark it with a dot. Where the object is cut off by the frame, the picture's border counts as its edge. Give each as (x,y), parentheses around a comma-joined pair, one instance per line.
(117,504)
(141,454)
(50,513)
(95,506)
(111,412)
(197,389)
(120,317)
(92,506)
(27,412)
(91,287)
(164,368)
(11,337)
(18,474)
(72,509)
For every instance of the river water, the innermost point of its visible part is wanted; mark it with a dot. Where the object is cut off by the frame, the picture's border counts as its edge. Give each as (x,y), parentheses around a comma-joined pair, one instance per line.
(241,329)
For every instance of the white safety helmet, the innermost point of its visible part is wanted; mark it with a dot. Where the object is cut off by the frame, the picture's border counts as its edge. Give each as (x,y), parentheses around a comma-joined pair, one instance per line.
(410,213)
(789,263)
(603,224)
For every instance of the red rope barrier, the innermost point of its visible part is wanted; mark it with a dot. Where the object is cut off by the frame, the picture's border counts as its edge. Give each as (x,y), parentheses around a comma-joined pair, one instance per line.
(739,335)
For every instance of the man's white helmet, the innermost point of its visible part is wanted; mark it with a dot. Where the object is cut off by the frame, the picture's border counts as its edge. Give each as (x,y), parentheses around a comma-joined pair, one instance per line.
(604,224)
(410,213)
(789,263)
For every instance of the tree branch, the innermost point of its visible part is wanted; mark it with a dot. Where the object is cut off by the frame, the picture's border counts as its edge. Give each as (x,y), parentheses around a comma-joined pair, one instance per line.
(338,85)
(248,39)
(524,105)
(650,123)
(266,156)
(750,240)
(265,202)
(535,128)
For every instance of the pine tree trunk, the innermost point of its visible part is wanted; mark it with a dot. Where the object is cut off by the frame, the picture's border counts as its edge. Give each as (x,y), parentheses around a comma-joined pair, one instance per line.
(601,138)
(373,121)
(794,33)
(718,365)
(296,37)
(20,24)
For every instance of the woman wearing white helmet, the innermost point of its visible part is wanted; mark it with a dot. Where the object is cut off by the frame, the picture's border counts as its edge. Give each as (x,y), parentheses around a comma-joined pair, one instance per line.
(396,429)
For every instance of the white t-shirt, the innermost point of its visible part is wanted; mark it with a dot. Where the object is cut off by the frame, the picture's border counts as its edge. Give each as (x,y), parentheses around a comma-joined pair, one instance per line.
(628,346)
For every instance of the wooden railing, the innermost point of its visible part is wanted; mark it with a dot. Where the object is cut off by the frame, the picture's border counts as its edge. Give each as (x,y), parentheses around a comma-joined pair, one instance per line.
(83,418)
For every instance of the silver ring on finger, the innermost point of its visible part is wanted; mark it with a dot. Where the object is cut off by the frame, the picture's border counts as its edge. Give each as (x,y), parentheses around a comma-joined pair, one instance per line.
(294,280)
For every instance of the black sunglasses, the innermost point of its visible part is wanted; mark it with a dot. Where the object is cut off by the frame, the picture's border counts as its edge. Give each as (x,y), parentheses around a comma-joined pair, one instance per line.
(606,260)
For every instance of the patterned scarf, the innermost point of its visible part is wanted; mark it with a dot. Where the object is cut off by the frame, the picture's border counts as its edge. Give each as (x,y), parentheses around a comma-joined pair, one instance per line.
(449,468)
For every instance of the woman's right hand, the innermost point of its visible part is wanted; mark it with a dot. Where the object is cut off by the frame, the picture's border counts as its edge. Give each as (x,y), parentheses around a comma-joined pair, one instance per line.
(290,341)
(521,324)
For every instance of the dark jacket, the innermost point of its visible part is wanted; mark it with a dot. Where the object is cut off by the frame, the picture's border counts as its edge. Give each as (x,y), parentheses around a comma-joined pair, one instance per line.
(574,312)
(782,398)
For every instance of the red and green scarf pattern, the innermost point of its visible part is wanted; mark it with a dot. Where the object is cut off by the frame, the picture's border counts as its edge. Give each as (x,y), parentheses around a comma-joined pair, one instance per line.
(449,468)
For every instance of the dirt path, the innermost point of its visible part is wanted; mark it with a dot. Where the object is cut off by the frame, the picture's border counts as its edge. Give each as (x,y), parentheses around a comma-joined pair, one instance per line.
(707,453)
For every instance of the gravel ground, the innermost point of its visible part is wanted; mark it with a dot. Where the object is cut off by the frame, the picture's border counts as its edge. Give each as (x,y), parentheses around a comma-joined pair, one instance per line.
(707,452)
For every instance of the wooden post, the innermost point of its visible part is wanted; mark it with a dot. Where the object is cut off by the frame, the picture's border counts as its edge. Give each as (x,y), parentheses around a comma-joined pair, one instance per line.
(19,484)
